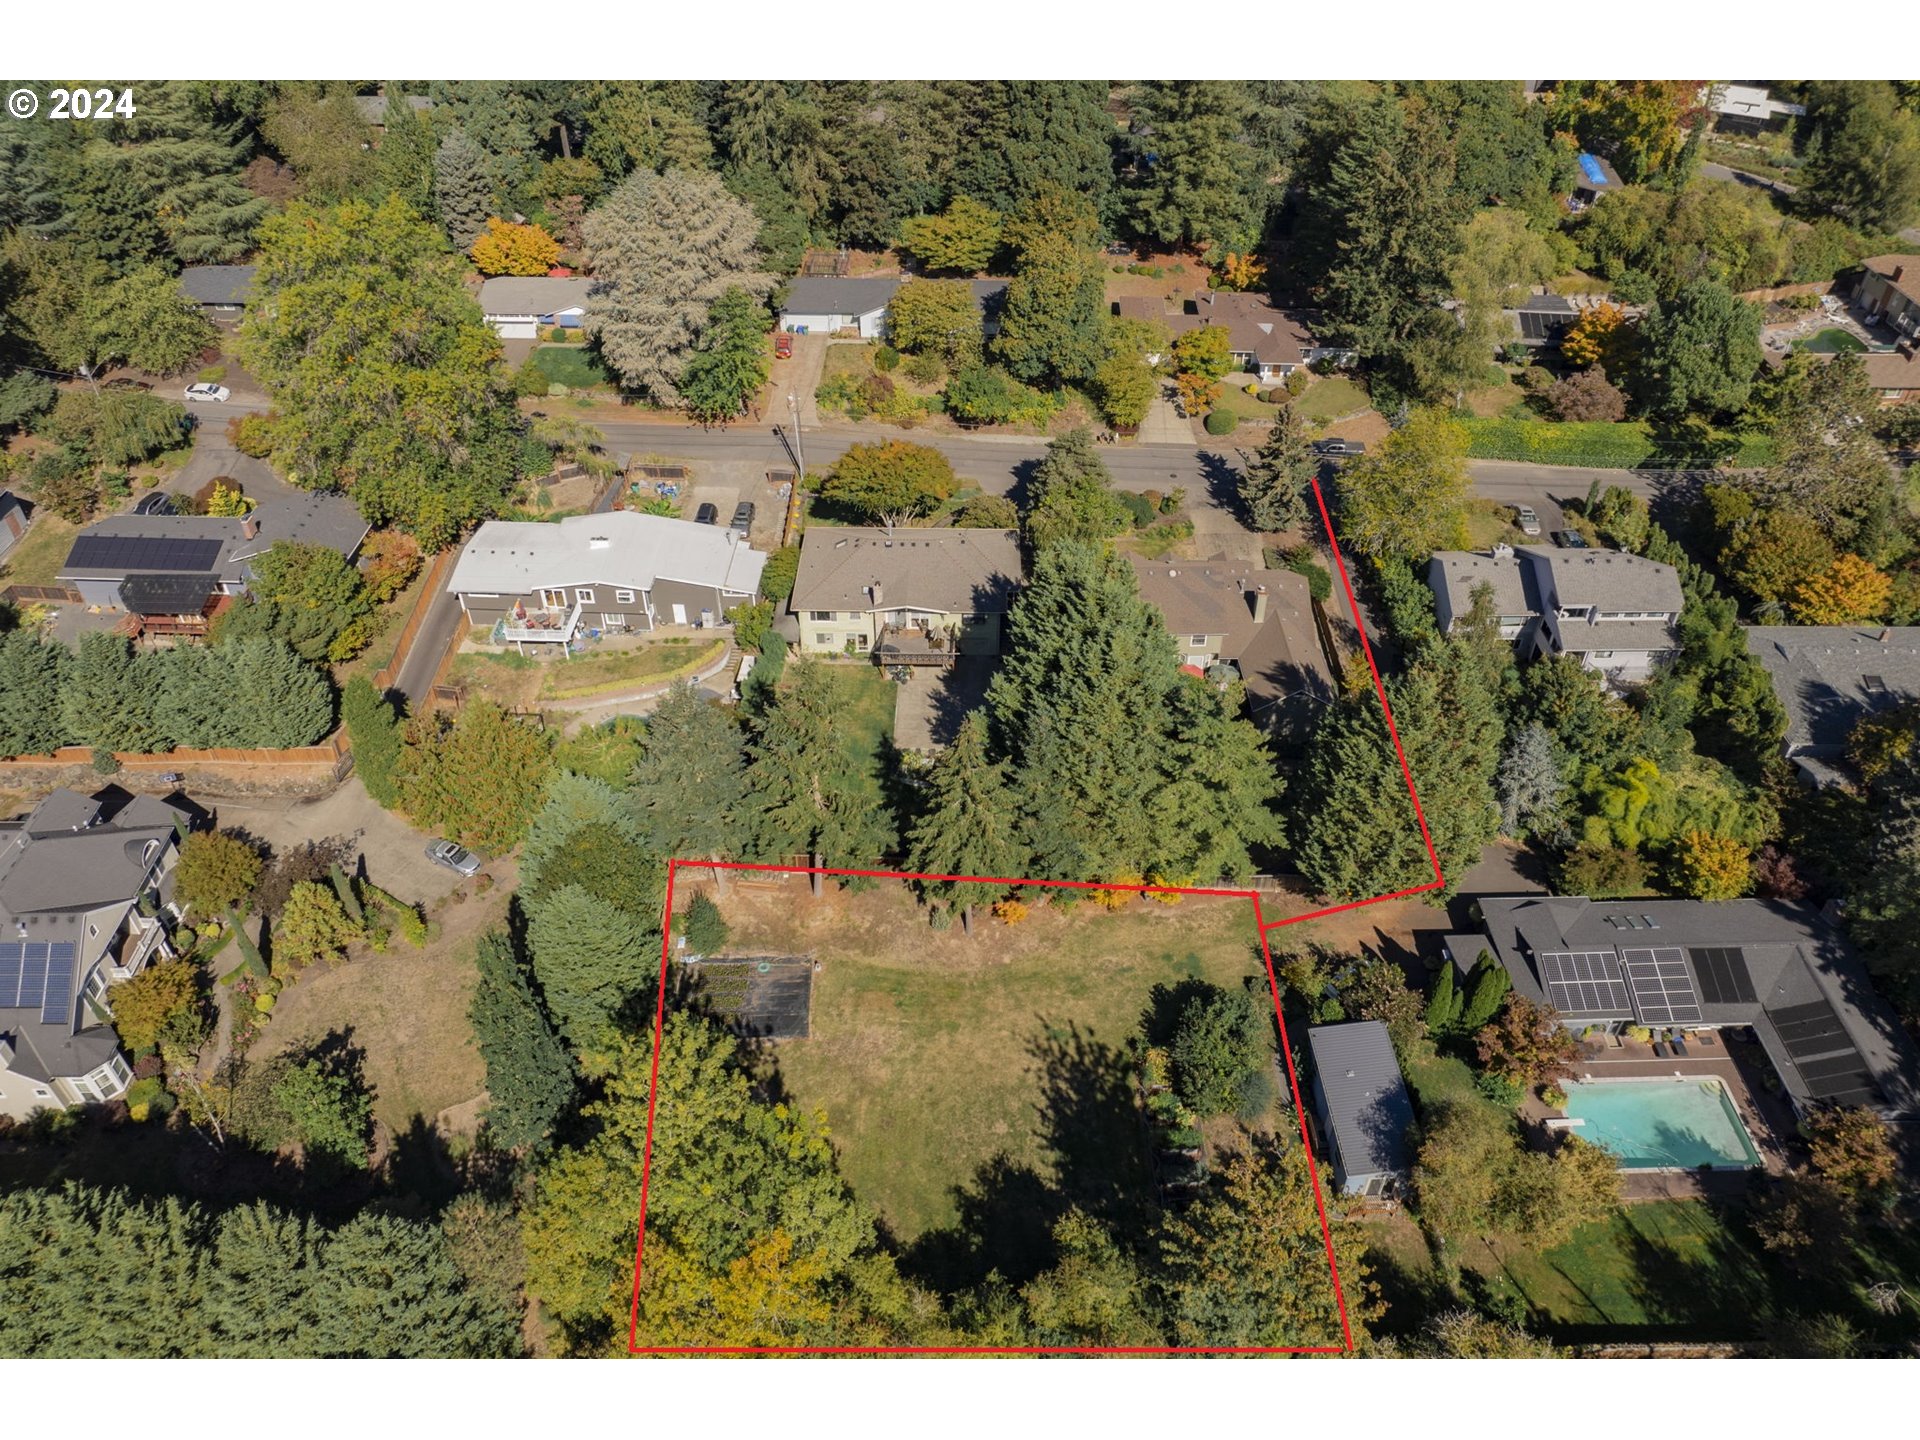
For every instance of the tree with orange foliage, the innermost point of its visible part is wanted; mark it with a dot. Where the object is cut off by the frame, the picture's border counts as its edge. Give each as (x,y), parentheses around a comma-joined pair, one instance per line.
(508,249)
(1197,393)
(1240,272)
(1527,1043)
(1713,867)
(1599,336)
(1848,591)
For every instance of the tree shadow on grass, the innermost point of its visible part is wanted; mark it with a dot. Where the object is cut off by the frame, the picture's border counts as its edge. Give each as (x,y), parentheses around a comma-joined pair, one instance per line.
(1088,1121)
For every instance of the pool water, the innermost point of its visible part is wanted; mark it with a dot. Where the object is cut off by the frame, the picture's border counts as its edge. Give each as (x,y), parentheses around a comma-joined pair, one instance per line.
(1832,341)
(1661,1124)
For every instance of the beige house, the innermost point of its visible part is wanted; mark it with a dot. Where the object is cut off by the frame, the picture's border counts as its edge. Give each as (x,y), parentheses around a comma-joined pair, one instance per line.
(1257,621)
(906,596)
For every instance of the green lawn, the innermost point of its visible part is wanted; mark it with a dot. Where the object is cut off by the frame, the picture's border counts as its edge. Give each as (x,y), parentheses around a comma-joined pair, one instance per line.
(513,680)
(935,1055)
(36,560)
(571,365)
(1330,398)
(867,698)
(1245,408)
(1626,445)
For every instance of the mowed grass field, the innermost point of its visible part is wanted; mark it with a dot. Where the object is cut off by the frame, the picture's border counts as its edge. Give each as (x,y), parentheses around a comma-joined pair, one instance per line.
(933,1054)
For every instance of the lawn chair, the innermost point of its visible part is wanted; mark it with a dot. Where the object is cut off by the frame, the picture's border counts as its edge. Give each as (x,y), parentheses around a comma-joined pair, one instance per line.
(1660,1049)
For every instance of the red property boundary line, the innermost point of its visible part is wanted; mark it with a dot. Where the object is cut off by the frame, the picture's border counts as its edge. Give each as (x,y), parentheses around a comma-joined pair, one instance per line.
(1293,1079)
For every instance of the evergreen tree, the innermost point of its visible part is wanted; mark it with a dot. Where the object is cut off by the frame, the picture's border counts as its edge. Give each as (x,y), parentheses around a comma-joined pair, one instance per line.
(1530,782)
(107,701)
(192,705)
(688,792)
(1081,707)
(478,778)
(1193,186)
(1343,839)
(589,958)
(1221,797)
(1699,351)
(374,732)
(1277,484)
(664,249)
(1443,1006)
(33,677)
(529,1077)
(1070,494)
(406,155)
(729,365)
(809,790)
(1024,137)
(969,825)
(278,699)
(1490,986)
(463,195)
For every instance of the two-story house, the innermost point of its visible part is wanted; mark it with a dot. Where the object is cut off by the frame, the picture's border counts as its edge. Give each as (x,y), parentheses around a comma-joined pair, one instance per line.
(84,882)
(1615,612)
(541,581)
(1889,291)
(907,596)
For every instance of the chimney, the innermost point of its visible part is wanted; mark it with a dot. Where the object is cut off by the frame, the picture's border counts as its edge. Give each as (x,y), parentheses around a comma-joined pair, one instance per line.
(874,588)
(1886,633)
(248,529)
(1898,272)
(1260,605)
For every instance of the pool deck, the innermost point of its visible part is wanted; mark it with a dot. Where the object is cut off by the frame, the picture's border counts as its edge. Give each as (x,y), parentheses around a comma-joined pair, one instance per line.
(1768,1118)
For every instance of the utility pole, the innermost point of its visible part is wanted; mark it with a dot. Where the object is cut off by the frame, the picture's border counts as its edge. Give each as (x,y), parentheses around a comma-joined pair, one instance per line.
(799,448)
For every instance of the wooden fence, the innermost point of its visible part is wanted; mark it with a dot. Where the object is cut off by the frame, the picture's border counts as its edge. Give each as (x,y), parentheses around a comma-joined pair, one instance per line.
(42,595)
(332,757)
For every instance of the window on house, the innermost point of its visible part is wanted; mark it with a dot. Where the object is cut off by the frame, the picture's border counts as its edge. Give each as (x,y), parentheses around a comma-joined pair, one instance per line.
(585,597)
(820,615)
(821,637)
(1601,654)
(1199,640)
(623,597)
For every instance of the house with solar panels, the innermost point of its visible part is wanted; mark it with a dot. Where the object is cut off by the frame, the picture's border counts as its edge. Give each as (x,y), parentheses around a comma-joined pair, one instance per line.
(85,885)
(1776,969)
(172,573)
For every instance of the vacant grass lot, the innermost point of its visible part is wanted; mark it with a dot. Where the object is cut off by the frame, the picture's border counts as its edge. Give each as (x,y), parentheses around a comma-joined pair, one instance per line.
(36,559)
(571,365)
(509,679)
(933,1054)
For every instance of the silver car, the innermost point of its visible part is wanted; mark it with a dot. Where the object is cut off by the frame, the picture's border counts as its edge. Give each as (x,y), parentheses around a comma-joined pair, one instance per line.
(456,858)
(1524,517)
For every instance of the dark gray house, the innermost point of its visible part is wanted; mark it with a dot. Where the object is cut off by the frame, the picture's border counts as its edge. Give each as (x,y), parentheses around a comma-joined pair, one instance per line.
(162,565)
(14,519)
(540,581)
(1828,677)
(83,884)
(1365,1112)
(221,291)
(1775,968)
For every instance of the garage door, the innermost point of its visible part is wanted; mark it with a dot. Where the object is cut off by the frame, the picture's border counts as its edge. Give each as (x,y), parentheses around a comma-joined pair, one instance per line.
(515,329)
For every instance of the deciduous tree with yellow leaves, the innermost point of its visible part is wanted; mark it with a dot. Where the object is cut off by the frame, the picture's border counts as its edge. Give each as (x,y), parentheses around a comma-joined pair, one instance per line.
(505,248)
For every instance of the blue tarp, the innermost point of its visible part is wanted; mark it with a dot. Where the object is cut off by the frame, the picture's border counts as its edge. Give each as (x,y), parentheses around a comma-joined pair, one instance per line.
(1590,167)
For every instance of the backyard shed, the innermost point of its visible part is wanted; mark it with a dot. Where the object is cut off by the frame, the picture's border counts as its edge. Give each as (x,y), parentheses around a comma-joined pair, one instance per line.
(1361,1099)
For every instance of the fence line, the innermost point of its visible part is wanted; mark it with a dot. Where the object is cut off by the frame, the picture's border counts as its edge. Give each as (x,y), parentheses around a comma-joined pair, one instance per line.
(436,581)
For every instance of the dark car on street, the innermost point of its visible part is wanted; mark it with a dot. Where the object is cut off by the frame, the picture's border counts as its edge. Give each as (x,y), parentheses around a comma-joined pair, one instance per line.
(1569,539)
(706,515)
(742,518)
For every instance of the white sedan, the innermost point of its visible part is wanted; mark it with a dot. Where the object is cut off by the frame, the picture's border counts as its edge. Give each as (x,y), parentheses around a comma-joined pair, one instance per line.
(208,393)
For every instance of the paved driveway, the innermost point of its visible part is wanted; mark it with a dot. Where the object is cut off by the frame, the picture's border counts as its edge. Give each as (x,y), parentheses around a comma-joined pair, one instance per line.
(394,851)
(1164,425)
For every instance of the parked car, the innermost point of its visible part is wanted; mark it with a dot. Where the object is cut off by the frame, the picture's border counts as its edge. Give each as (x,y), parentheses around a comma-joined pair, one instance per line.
(742,518)
(211,394)
(1527,519)
(457,858)
(1338,449)
(1569,539)
(783,345)
(707,515)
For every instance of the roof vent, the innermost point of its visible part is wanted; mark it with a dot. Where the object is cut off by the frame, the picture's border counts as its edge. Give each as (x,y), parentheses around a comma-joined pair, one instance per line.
(598,542)
(1652,924)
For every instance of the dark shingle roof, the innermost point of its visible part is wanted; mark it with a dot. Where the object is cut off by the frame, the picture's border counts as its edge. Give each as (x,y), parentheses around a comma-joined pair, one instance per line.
(217,284)
(953,571)
(1822,672)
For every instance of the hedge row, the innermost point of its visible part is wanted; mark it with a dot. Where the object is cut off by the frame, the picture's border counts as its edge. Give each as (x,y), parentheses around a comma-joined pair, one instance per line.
(1599,444)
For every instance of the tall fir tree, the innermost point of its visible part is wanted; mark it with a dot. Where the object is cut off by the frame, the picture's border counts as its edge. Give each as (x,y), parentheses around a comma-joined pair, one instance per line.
(812,791)
(1221,800)
(33,676)
(463,196)
(108,699)
(373,729)
(969,825)
(407,153)
(590,958)
(530,1081)
(279,700)
(688,792)
(1198,184)
(1070,495)
(1053,325)
(1277,484)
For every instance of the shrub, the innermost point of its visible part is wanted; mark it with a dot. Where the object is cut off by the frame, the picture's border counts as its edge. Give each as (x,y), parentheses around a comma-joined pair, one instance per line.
(1319,582)
(1170,503)
(1219,422)
(1010,912)
(886,359)
(702,926)
(1296,382)
(1138,506)
(214,374)
(1601,871)
(921,369)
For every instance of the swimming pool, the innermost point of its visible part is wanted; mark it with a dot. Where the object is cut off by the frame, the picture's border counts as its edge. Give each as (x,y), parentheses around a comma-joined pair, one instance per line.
(1662,1124)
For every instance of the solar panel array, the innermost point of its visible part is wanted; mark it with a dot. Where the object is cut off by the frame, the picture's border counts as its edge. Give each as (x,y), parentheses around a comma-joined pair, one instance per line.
(143,552)
(1823,1053)
(1584,983)
(1722,972)
(38,974)
(1663,992)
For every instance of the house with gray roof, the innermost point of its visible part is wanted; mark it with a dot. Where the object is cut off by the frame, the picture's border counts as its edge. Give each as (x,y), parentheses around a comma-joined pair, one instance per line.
(1827,677)
(909,595)
(1365,1114)
(826,304)
(85,884)
(1258,622)
(1615,612)
(519,307)
(221,291)
(161,565)
(543,581)
(1777,969)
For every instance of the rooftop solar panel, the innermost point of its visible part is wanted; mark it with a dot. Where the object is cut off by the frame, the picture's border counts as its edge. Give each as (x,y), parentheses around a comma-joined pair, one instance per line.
(33,976)
(10,975)
(143,552)
(1584,983)
(1854,1088)
(1663,991)
(57,1007)
(1723,975)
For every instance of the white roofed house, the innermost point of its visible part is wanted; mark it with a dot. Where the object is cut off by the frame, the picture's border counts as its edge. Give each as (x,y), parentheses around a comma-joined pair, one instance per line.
(84,884)
(537,581)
